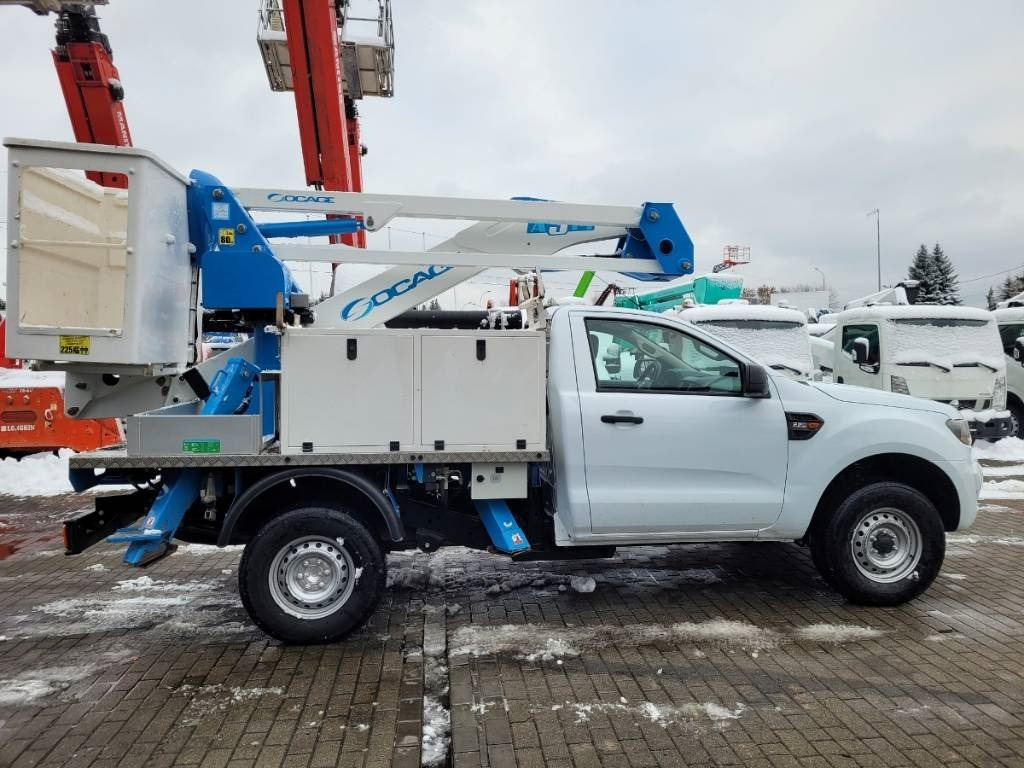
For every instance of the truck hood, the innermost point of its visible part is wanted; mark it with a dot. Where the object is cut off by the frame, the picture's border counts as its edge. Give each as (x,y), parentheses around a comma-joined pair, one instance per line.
(864,396)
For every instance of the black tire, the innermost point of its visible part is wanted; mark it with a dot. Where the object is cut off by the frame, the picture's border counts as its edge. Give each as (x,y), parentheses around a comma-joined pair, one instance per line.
(1017,415)
(883,545)
(343,567)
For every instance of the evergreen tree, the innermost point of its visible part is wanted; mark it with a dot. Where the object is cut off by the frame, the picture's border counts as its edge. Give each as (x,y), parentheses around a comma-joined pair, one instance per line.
(435,305)
(1005,290)
(922,269)
(990,298)
(946,286)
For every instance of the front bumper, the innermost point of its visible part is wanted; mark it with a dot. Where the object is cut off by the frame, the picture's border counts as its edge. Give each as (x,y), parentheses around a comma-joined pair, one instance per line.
(993,429)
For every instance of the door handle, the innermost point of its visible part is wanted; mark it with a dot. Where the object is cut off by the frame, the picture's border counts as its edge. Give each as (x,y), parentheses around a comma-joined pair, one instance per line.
(619,418)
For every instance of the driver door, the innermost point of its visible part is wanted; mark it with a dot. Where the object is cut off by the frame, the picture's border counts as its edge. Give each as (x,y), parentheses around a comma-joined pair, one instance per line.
(671,446)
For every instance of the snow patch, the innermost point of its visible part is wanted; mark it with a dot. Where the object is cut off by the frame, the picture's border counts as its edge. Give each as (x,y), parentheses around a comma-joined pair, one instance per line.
(96,567)
(437,728)
(147,584)
(206,549)
(1007,449)
(836,633)
(1002,489)
(42,474)
(205,700)
(582,584)
(960,538)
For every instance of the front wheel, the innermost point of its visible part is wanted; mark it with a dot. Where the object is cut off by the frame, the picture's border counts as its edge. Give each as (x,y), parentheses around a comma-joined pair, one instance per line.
(1016,419)
(884,545)
(312,575)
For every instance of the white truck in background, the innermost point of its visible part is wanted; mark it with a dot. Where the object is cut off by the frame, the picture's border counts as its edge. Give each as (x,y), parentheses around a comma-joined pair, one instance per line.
(775,336)
(949,354)
(1010,321)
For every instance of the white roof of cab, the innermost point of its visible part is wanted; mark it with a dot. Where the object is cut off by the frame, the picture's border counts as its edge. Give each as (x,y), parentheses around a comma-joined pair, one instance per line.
(1008,314)
(911,312)
(707,313)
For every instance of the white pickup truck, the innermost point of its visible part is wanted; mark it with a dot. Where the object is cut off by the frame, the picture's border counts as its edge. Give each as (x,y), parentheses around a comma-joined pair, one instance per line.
(678,438)
(948,354)
(334,435)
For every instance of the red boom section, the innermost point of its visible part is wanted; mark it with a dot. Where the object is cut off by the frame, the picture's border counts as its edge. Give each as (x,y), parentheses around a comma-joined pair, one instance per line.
(91,86)
(329,135)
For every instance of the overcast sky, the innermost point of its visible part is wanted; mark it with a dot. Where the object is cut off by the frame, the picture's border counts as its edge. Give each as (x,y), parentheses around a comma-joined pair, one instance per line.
(775,125)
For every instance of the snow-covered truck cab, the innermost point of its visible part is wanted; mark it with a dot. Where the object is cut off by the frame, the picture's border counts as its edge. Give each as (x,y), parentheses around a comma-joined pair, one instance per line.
(1010,321)
(773,335)
(949,354)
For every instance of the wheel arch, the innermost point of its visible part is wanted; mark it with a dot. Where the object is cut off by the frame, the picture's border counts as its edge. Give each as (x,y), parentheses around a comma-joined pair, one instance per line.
(913,471)
(264,498)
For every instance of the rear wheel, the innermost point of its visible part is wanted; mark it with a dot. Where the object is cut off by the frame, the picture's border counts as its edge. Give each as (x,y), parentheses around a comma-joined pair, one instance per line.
(312,575)
(883,545)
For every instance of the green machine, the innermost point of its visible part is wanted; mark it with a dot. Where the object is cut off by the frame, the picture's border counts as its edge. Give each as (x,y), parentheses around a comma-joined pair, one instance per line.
(706,289)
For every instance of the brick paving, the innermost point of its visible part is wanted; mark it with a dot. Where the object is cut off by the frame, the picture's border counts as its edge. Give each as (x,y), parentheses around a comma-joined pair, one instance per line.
(699,655)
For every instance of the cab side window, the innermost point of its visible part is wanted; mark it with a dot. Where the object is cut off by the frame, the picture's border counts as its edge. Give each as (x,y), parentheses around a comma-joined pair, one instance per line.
(1009,335)
(869,332)
(633,355)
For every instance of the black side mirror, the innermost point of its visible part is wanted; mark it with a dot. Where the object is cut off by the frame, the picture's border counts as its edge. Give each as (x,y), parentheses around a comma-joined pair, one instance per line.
(861,350)
(755,381)
(1018,351)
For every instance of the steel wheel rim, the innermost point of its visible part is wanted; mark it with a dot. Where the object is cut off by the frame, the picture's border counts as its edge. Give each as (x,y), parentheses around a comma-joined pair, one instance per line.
(312,577)
(886,545)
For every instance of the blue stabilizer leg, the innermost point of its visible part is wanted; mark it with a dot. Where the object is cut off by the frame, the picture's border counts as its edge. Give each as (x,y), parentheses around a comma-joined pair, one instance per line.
(151,539)
(505,533)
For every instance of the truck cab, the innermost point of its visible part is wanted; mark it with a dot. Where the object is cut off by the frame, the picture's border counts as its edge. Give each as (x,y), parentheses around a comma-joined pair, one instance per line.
(1010,321)
(949,354)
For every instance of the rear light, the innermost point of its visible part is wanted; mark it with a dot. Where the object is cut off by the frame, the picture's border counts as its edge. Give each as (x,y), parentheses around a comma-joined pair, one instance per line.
(803,426)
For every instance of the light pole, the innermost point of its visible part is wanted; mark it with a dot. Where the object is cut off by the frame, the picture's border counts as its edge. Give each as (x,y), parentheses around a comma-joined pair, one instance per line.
(823,283)
(878,236)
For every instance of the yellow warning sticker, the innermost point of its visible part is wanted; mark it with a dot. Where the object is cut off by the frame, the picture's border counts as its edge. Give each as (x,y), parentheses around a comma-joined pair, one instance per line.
(73,345)
(226,236)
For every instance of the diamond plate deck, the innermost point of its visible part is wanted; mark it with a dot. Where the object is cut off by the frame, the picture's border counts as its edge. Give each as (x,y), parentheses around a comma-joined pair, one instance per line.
(119,459)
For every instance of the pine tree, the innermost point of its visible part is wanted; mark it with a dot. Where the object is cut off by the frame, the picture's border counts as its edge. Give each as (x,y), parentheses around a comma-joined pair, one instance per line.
(435,305)
(1005,290)
(990,298)
(922,269)
(946,288)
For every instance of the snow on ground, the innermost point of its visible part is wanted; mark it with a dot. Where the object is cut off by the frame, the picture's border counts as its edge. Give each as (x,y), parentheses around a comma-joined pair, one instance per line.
(437,728)
(148,584)
(836,633)
(34,684)
(191,609)
(1002,489)
(689,716)
(531,642)
(1007,449)
(582,584)
(206,549)
(1002,470)
(42,474)
(964,538)
(205,700)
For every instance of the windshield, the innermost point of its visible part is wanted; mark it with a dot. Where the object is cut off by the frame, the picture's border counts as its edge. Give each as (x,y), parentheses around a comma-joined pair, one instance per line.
(952,342)
(777,344)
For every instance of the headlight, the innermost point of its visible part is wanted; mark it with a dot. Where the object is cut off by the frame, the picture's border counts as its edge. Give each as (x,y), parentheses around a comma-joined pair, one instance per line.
(999,394)
(961,430)
(899,385)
